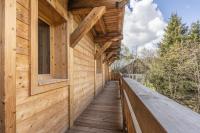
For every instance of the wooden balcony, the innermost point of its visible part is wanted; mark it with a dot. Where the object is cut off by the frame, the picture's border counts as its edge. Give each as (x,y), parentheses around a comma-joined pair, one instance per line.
(103,115)
(141,110)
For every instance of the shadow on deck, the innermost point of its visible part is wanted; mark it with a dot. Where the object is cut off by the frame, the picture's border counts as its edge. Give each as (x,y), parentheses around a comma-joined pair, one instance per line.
(103,115)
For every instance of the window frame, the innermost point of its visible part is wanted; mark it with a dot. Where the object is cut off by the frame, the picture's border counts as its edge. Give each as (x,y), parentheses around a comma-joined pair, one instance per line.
(40,83)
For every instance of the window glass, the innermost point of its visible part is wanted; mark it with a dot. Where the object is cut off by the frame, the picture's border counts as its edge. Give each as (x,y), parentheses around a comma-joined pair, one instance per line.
(43,48)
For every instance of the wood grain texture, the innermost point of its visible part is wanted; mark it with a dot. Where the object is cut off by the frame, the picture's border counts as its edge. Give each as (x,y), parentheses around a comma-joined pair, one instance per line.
(110,23)
(155,113)
(103,115)
(55,109)
(7,66)
(53,11)
(74,4)
(46,112)
(83,73)
(58,50)
(85,26)
(103,49)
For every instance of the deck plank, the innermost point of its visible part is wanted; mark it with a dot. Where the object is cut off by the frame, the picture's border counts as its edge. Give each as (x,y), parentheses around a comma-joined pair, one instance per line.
(103,115)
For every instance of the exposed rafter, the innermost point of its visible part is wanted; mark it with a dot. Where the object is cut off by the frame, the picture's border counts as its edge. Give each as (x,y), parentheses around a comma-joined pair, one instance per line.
(81,11)
(122,3)
(86,25)
(110,55)
(102,26)
(74,4)
(112,60)
(112,49)
(106,37)
(103,49)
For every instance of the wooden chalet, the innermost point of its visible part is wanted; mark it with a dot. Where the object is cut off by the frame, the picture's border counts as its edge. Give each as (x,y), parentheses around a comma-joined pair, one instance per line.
(55,78)
(55,57)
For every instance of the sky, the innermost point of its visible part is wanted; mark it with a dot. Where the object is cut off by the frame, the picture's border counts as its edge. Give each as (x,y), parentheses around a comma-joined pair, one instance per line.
(144,26)
(187,9)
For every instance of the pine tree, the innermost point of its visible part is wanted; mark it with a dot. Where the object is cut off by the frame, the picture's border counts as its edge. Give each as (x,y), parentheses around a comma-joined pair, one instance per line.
(194,33)
(174,33)
(176,72)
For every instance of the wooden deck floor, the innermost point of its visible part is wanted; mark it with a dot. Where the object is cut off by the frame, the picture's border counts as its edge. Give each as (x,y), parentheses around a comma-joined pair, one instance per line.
(103,115)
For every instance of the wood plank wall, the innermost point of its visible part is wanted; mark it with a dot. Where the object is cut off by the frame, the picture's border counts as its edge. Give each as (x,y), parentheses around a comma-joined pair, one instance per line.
(99,83)
(106,72)
(48,112)
(83,74)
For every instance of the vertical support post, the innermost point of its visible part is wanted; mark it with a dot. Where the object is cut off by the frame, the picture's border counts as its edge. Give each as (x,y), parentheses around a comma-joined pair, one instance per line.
(7,66)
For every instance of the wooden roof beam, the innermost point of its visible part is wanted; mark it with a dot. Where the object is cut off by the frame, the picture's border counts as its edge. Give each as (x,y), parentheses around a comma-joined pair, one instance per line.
(122,3)
(115,46)
(106,37)
(110,55)
(102,26)
(104,47)
(112,60)
(81,11)
(113,50)
(74,4)
(86,25)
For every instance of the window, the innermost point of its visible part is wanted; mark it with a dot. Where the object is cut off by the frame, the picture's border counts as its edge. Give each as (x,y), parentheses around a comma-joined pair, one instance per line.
(99,65)
(43,47)
(49,46)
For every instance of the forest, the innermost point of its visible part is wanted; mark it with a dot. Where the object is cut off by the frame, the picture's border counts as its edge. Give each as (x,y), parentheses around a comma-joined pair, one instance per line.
(174,70)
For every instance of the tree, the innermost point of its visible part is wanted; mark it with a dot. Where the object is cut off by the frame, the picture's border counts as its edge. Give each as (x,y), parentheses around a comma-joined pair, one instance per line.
(174,33)
(194,33)
(176,71)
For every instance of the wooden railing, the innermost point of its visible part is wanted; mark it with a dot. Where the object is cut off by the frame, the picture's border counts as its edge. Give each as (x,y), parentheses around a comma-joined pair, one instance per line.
(146,111)
(138,77)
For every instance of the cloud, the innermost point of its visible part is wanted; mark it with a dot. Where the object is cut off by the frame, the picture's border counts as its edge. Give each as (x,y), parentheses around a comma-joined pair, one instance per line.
(144,26)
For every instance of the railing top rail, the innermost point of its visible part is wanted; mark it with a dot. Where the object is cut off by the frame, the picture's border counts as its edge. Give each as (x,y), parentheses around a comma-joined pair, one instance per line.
(173,117)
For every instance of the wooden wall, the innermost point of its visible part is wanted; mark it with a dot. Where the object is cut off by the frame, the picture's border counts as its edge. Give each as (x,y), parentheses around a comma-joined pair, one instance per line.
(99,83)
(83,74)
(44,113)
(49,111)
(106,72)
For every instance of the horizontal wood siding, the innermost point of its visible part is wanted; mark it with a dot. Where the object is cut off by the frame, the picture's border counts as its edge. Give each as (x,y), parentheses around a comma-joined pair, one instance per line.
(83,74)
(99,83)
(106,72)
(44,113)
(48,112)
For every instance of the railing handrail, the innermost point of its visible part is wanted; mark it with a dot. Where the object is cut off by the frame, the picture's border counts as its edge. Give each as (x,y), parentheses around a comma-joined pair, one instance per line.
(153,112)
